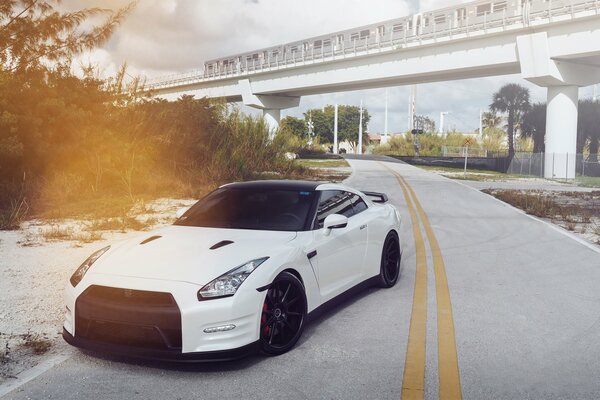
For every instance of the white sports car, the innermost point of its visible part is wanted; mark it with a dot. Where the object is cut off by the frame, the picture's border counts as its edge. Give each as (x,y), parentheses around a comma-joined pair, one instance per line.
(236,273)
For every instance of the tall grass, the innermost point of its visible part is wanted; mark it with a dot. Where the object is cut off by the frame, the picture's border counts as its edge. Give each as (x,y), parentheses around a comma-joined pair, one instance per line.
(141,165)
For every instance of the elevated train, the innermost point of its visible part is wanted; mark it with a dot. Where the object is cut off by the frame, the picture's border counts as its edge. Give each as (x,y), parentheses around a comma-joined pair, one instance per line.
(477,15)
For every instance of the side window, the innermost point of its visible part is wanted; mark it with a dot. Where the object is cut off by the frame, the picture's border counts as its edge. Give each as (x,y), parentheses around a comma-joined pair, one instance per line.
(333,202)
(358,204)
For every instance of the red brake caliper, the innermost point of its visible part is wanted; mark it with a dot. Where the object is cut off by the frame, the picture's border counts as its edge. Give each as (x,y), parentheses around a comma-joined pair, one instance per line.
(263,320)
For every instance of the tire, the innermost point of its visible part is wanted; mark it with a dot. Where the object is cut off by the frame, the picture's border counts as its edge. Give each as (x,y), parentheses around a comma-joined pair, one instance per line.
(283,315)
(390,261)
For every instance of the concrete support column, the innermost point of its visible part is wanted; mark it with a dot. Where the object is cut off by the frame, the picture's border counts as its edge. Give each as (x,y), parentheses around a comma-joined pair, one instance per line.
(272,118)
(561,132)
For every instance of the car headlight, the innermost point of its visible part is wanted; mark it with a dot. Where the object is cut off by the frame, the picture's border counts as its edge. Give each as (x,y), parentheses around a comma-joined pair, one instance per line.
(83,268)
(228,283)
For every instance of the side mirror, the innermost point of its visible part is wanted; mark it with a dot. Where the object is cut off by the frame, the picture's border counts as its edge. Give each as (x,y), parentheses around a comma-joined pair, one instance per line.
(181,211)
(334,221)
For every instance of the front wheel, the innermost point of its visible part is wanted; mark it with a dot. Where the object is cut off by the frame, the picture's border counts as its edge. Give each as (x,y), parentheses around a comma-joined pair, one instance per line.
(283,315)
(390,261)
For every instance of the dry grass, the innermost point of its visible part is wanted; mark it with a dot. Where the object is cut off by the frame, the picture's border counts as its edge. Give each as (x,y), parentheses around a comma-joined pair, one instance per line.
(121,224)
(36,344)
(56,233)
(574,211)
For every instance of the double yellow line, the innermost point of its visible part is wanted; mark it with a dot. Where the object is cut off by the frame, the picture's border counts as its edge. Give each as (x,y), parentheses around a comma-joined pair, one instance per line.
(413,383)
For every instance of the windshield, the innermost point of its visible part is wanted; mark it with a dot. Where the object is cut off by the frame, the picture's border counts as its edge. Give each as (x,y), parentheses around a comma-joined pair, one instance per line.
(249,208)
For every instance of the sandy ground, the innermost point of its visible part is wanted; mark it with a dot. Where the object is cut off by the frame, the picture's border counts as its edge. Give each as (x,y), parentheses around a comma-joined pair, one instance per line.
(33,271)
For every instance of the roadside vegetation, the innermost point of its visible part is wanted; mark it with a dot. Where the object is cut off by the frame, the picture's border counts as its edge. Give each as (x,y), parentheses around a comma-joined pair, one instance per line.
(575,211)
(471,175)
(79,146)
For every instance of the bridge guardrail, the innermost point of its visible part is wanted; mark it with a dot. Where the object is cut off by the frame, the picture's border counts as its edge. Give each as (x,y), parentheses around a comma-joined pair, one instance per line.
(536,12)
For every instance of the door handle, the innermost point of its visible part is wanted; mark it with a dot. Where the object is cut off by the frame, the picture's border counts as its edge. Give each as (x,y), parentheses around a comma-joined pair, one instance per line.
(363,227)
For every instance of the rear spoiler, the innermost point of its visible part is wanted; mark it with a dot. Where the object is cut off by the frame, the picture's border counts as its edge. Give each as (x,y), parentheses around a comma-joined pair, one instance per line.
(377,197)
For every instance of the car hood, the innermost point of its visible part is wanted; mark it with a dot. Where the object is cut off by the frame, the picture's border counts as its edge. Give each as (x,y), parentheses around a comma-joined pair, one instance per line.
(181,253)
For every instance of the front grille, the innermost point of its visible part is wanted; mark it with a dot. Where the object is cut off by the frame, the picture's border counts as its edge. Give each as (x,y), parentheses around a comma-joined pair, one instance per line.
(128,317)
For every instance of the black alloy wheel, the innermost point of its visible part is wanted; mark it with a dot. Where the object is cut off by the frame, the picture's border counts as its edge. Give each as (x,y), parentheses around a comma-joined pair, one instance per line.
(283,315)
(390,261)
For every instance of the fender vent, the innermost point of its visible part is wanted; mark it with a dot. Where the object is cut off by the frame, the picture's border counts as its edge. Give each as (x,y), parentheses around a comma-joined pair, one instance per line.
(151,238)
(222,243)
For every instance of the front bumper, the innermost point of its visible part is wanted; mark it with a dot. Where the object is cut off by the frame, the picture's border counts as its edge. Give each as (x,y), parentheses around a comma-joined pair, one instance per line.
(89,323)
(161,355)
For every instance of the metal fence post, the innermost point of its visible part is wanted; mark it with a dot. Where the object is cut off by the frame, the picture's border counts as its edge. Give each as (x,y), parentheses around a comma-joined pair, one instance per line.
(582,166)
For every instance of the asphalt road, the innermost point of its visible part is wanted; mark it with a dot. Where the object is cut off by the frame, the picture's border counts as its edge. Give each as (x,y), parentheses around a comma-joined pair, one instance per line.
(525,307)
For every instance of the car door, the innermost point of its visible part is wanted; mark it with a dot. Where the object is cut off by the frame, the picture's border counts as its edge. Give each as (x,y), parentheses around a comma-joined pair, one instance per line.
(339,252)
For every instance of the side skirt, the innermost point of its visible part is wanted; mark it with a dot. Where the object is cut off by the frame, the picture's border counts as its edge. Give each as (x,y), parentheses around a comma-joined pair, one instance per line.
(341,298)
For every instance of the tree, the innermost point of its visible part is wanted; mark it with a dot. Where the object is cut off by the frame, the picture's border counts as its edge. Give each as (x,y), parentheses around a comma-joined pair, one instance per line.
(588,127)
(348,121)
(295,126)
(34,34)
(534,126)
(491,120)
(425,123)
(512,99)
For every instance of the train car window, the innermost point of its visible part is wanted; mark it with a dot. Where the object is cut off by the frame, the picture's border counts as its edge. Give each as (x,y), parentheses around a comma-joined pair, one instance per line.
(327,43)
(440,19)
(484,9)
(354,36)
(255,56)
(306,46)
(365,33)
(339,39)
(317,44)
(293,49)
(500,6)
(381,30)
(398,28)
(461,14)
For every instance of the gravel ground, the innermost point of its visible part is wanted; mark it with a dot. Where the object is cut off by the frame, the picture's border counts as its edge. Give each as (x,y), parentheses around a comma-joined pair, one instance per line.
(34,270)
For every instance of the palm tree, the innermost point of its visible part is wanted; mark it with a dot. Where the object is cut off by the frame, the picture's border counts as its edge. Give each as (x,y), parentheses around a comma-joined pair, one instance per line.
(491,120)
(534,126)
(588,127)
(512,99)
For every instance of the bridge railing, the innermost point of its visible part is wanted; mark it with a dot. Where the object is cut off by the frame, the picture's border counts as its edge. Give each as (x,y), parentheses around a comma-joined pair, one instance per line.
(389,36)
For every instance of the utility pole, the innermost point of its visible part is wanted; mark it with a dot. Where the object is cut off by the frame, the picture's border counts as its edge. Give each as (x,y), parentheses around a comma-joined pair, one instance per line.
(481,122)
(335,130)
(360,130)
(310,127)
(412,107)
(442,115)
(384,138)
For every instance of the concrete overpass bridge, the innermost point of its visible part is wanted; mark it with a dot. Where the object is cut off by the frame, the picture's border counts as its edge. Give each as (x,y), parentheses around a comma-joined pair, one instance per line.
(552,43)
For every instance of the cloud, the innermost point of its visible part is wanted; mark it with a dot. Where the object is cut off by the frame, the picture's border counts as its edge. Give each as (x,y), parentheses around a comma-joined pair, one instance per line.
(173,36)
(163,36)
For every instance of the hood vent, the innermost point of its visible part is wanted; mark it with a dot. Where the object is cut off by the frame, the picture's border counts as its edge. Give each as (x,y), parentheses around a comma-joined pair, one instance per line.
(151,238)
(222,243)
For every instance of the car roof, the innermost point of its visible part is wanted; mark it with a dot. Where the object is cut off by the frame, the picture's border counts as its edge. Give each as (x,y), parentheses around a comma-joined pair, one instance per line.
(308,186)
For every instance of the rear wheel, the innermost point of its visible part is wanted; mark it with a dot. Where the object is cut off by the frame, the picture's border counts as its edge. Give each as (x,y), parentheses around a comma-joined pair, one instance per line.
(283,315)
(390,261)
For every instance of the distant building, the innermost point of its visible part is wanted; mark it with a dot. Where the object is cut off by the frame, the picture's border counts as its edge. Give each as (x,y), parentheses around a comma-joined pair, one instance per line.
(374,138)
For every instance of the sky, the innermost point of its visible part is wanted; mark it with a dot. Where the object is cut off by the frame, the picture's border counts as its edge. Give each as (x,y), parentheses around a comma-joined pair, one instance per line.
(162,37)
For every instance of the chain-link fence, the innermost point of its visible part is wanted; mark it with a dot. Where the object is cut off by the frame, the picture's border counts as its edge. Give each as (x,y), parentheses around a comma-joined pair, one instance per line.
(555,165)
